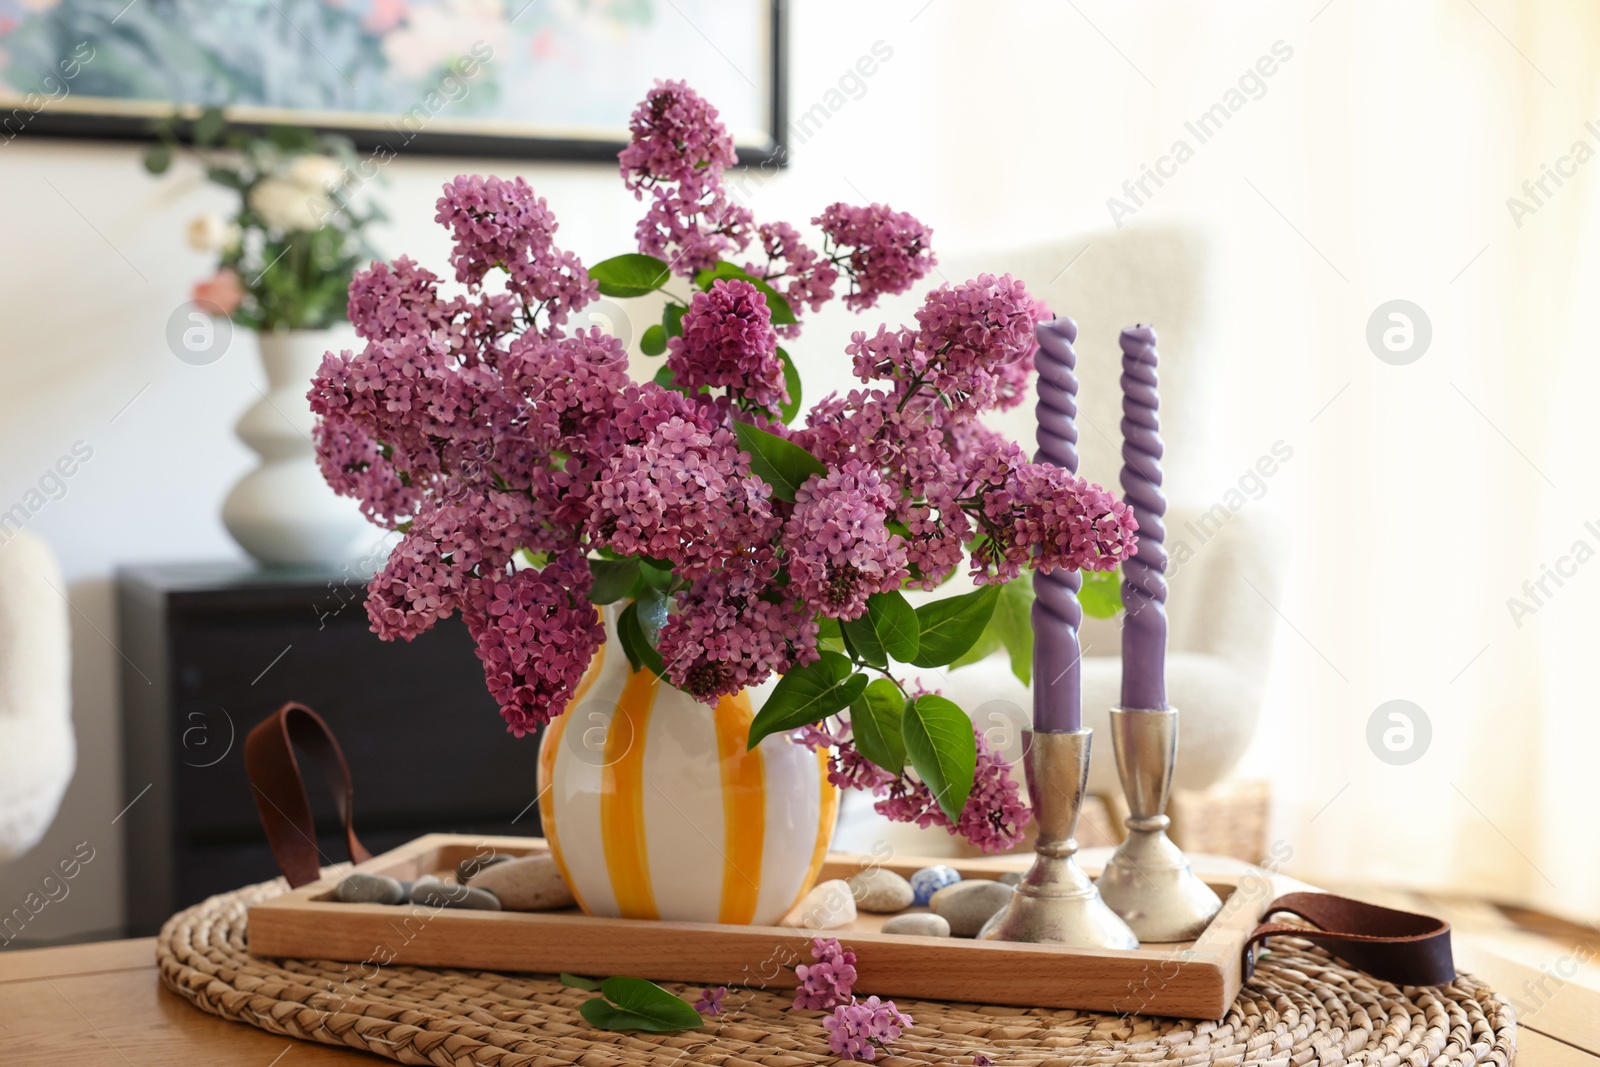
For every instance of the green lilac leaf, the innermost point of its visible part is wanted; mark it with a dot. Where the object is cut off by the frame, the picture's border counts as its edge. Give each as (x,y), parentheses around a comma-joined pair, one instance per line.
(640,652)
(646,1000)
(629,637)
(781,464)
(654,341)
(630,274)
(807,695)
(672,320)
(1101,595)
(950,626)
(943,750)
(791,381)
(577,981)
(1012,623)
(875,723)
(862,639)
(614,579)
(895,623)
(988,644)
(830,635)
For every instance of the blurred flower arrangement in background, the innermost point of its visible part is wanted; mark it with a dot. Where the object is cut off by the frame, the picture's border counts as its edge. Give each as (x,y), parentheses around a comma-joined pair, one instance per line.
(533,479)
(287,255)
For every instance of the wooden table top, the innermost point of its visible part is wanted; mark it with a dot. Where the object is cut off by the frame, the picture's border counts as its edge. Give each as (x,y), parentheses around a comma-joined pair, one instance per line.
(104,1004)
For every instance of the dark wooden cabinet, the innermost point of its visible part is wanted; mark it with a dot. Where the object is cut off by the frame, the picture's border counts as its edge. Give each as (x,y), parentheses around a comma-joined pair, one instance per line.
(211,649)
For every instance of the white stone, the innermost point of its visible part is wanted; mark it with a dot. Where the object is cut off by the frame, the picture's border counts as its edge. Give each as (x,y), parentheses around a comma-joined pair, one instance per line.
(828,906)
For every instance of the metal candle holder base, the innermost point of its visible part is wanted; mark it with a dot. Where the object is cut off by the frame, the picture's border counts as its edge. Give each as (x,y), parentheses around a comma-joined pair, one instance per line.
(1149,881)
(1056,903)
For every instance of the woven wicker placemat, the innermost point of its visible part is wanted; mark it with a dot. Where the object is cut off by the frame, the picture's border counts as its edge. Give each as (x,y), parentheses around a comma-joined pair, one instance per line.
(1301,1007)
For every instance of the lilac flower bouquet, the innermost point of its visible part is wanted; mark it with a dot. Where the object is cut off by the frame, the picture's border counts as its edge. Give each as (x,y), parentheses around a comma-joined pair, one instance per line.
(533,479)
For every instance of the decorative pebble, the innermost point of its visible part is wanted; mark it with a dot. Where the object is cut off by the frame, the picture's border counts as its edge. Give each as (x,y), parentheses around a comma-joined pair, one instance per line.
(362,888)
(531,884)
(448,895)
(928,881)
(472,865)
(1012,878)
(968,905)
(918,924)
(828,906)
(420,880)
(878,889)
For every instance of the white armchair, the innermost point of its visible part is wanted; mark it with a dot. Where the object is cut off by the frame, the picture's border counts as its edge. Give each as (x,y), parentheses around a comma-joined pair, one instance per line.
(1221,619)
(37,751)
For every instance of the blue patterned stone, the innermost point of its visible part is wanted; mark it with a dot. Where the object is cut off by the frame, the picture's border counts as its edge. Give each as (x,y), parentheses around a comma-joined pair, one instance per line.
(928,881)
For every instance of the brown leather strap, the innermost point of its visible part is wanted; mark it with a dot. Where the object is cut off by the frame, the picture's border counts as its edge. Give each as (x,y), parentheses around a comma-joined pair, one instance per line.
(280,790)
(1396,946)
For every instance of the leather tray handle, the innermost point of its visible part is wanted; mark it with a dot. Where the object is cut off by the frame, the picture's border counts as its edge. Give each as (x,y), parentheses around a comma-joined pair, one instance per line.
(280,790)
(1396,946)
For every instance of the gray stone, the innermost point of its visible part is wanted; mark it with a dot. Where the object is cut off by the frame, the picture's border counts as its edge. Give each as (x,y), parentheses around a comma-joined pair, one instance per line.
(452,895)
(880,890)
(1012,878)
(828,906)
(968,905)
(531,884)
(474,865)
(918,924)
(362,888)
(421,880)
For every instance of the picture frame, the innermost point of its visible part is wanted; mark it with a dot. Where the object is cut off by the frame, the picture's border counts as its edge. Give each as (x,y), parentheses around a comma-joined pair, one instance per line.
(546,89)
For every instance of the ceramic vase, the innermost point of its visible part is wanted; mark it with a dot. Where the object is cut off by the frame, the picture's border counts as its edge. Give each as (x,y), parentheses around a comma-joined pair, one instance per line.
(283,512)
(655,810)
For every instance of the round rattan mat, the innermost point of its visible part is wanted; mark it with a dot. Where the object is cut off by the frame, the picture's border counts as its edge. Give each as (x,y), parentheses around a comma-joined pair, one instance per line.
(1301,1007)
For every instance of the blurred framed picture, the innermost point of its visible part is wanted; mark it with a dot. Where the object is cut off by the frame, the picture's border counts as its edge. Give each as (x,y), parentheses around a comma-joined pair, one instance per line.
(531,79)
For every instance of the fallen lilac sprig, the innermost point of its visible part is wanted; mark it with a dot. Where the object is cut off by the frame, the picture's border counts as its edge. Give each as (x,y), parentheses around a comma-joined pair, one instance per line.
(828,982)
(859,1029)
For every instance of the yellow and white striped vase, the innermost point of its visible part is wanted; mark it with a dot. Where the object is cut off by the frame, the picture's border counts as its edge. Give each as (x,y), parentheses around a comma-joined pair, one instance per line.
(654,810)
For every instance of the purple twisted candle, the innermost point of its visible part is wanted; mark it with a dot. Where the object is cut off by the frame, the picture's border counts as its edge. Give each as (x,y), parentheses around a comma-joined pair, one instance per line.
(1057,685)
(1144,583)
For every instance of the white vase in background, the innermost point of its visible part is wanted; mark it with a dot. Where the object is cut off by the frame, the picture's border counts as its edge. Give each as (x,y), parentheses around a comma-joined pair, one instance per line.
(283,512)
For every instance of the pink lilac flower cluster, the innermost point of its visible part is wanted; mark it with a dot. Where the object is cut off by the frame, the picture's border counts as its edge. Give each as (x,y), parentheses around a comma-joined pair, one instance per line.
(1039,515)
(883,251)
(510,452)
(728,342)
(685,494)
(496,223)
(859,1029)
(973,346)
(827,983)
(725,638)
(993,818)
(535,635)
(839,547)
(676,156)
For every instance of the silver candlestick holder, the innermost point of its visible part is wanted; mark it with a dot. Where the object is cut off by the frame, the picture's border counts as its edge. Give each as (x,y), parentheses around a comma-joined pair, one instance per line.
(1149,881)
(1056,903)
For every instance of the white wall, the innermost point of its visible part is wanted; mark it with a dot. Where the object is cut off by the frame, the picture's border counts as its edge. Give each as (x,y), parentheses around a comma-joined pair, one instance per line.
(1374,166)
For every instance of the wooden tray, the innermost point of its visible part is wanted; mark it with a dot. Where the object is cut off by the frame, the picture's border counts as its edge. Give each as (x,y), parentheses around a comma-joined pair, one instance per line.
(1198,979)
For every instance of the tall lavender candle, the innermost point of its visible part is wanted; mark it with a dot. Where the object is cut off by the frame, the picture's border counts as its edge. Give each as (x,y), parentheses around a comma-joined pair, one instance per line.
(1057,685)
(1144,583)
